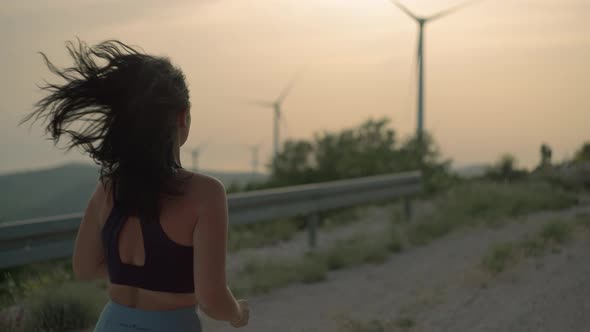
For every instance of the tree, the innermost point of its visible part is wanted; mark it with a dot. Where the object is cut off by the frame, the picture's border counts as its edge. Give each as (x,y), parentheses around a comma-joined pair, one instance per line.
(545,156)
(583,154)
(233,187)
(505,169)
(369,149)
(293,165)
(507,165)
(366,150)
(424,155)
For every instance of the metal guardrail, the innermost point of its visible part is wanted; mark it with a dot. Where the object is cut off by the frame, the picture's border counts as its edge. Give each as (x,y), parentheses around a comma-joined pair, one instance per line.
(33,240)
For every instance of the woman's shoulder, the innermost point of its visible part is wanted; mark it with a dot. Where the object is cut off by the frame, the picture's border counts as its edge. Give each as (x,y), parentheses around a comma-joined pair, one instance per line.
(203,184)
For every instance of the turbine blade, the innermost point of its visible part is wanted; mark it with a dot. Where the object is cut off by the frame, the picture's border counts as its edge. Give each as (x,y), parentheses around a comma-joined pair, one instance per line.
(289,86)
(285,91)
(451,10)
(261,103)
(249,101)
(405,9)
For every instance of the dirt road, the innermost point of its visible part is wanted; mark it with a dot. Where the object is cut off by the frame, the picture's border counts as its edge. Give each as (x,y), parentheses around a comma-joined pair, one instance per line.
(440,287)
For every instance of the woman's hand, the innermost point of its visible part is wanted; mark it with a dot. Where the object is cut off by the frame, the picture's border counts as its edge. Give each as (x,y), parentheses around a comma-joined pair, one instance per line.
(244,314)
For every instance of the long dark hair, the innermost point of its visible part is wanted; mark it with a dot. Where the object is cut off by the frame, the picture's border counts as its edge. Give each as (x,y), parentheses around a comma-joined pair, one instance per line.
(123,114)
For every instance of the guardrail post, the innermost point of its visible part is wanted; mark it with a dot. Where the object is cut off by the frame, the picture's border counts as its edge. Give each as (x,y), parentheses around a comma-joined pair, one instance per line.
(408,207)
(312,225)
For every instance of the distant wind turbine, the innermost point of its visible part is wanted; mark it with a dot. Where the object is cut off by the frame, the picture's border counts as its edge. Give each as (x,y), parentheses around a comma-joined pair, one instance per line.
(276,106)
(422,21)
(254,149)
(254,153)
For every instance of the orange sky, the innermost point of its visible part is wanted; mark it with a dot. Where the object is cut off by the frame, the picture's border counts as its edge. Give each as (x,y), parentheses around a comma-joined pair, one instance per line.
(501,75)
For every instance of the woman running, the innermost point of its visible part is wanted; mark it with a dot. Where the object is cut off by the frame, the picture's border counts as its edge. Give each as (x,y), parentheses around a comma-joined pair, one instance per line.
(156,230)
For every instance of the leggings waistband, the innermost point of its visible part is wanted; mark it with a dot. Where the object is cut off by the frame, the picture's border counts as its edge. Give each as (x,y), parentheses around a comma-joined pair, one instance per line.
(116,317)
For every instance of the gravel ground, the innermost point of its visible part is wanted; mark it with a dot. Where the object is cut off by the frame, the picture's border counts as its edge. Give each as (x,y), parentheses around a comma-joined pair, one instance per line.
(438,287)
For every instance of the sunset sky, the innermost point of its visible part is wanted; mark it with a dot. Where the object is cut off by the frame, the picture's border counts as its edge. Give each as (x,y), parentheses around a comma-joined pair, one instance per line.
(501,75)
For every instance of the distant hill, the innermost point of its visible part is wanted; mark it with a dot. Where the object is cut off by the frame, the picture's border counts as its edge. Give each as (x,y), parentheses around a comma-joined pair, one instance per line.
(66,189)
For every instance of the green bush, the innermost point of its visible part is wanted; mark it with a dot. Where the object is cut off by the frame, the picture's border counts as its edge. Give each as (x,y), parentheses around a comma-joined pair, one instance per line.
(533,246)
(70,307)
(552,235)
(261,234)
(490,200)
(343,216)
(472,203)
(356,250)
(500,257)
(583,154)
(556,232)
(259,277)
(19,282)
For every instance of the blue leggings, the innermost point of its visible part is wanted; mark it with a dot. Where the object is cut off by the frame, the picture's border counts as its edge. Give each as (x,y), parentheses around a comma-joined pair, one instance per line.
(119,318)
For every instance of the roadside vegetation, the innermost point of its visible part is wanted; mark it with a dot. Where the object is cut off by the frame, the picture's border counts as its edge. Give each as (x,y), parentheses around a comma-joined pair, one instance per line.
(47,294)
(261,276)
(486,202)
(399,325)
(551,238)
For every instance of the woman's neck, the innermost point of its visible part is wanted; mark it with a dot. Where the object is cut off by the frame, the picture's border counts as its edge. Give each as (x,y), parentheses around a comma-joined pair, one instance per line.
(176,154)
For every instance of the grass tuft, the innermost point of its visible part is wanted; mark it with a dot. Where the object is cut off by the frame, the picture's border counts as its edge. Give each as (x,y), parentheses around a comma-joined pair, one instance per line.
(499,258)
(556,232)
(356,250)
(402,324)
(405,323)
(533,246)
(550,238)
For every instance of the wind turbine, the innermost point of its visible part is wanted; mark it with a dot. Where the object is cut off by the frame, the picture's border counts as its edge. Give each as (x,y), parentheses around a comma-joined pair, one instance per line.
(254,153)
(254,149)
(276,106)
(422,21)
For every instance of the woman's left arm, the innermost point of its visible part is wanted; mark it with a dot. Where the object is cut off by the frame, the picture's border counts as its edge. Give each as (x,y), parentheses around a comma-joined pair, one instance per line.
(88,260)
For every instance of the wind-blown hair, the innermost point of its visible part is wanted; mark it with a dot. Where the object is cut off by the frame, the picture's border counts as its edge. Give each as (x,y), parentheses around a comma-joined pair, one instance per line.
(123,113)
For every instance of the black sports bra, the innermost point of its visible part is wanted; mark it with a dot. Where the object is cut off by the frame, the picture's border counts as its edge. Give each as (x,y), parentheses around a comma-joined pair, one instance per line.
(168,265)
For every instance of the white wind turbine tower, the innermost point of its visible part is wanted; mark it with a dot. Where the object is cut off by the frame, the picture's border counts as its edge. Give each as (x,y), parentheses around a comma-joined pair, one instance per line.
(422,21)
(276,106)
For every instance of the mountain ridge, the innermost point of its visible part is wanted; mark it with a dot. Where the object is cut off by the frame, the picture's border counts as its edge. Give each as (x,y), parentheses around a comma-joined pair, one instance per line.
(66,188)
